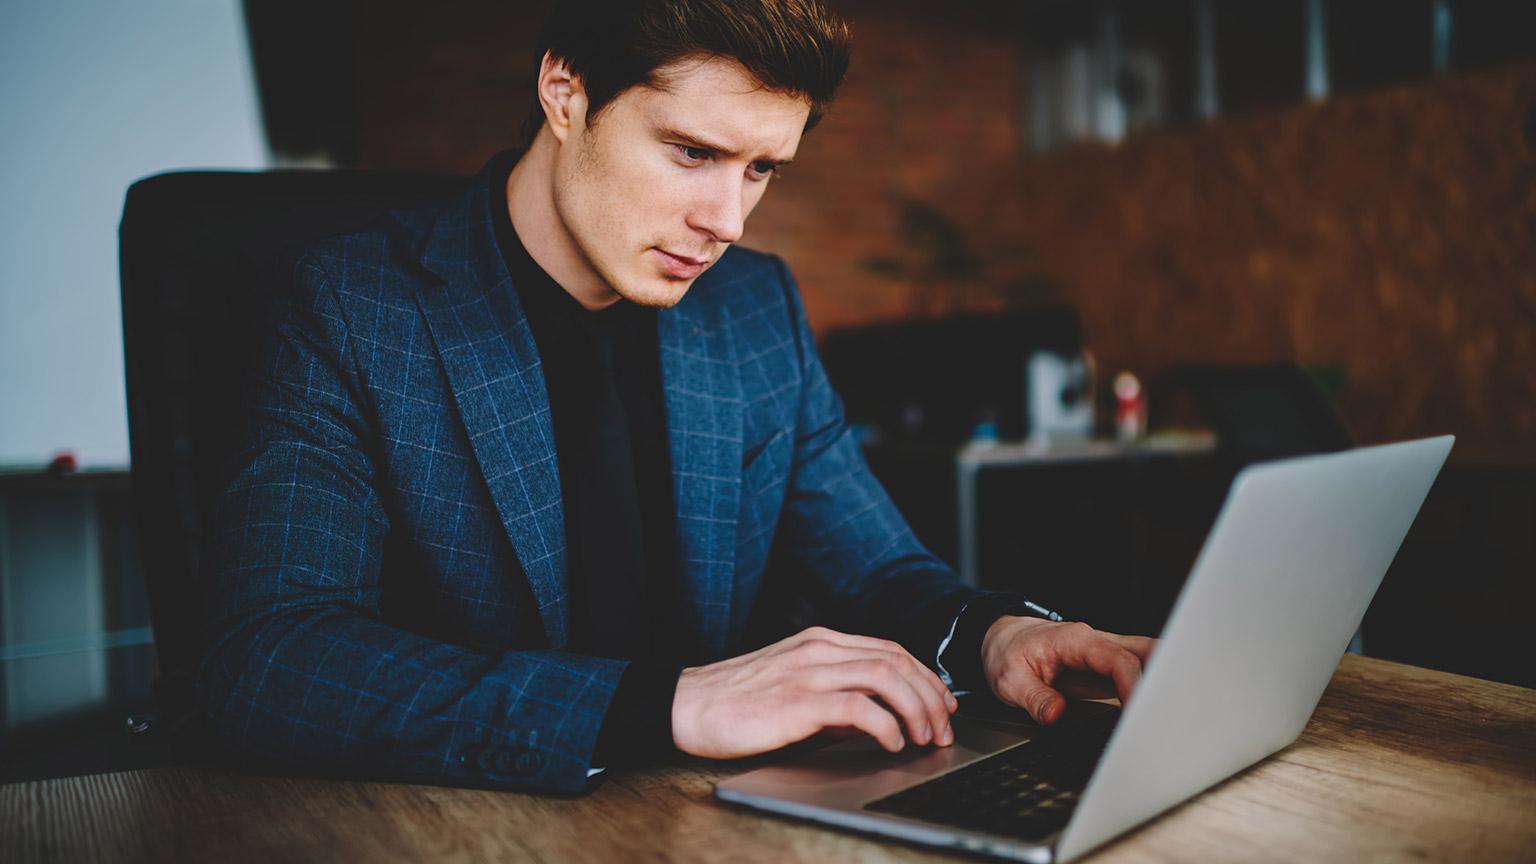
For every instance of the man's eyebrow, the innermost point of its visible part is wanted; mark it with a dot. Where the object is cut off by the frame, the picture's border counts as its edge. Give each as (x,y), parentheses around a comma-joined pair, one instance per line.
(695,141)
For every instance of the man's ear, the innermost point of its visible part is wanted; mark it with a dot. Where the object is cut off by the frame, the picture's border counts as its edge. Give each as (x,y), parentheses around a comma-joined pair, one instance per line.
(563,97)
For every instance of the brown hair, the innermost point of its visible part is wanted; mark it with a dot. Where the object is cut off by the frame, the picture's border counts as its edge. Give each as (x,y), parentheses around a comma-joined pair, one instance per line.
(791,46)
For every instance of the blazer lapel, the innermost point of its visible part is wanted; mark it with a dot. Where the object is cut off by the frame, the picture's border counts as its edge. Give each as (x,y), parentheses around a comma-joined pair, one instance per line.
(493,369)
(703,396)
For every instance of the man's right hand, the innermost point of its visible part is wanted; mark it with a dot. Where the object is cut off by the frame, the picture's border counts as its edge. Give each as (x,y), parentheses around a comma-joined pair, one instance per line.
(816,679)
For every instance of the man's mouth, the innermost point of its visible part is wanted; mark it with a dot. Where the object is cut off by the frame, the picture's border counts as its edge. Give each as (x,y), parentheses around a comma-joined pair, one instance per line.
(681,266)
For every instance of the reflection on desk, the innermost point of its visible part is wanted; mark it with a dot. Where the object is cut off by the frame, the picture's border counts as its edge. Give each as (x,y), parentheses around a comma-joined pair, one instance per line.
(1398,764)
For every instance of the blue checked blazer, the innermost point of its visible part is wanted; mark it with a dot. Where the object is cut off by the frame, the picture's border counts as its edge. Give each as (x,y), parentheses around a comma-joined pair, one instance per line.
(387,567)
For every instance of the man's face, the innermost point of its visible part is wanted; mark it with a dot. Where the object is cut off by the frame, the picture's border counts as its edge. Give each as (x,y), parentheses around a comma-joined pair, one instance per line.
(654,191)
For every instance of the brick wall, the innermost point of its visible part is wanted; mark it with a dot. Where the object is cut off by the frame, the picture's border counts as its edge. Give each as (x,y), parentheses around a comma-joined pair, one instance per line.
(1390,233)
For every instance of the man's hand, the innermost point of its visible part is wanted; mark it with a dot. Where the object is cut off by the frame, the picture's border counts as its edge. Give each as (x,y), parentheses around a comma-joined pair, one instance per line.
(817,679)
(1034,664)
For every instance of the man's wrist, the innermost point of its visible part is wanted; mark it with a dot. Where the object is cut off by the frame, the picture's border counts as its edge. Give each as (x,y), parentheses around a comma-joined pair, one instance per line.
(962,657)
(638,725)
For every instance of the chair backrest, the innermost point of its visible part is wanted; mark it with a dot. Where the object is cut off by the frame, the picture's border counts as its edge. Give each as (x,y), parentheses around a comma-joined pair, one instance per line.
(197,250)
(1264,412)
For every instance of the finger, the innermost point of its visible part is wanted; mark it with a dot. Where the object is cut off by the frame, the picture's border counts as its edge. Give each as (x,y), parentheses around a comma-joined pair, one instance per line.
(924,715)
(1038,684)
(820,647)
(843,733)
(861,712)
(1084,685)
(1042,702)
(1141,646)
(829,637)
(1106,658)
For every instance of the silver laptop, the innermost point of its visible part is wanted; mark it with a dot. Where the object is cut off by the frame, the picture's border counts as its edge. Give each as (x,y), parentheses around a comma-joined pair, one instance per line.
(1280,586)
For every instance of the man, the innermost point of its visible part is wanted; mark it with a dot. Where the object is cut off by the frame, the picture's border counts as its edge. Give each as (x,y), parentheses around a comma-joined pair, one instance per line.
(515,463)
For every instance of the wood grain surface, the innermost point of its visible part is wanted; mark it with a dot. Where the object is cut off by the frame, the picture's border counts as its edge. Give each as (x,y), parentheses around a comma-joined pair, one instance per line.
(1398,764)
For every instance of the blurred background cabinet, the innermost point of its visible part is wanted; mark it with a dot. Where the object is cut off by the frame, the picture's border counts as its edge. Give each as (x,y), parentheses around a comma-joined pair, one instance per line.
(76,647)
(1098,531)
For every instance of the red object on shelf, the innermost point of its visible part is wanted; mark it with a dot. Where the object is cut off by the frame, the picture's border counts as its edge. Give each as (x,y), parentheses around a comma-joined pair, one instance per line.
(1130,407)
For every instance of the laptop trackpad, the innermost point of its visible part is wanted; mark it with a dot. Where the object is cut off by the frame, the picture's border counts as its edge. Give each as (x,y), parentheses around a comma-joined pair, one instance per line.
(846,775)
(862,759)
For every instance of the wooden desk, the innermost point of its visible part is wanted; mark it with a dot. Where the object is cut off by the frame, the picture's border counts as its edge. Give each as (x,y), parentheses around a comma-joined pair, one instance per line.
(1398,764)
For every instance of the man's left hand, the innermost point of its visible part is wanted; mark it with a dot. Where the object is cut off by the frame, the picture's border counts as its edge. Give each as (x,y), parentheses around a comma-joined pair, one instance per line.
(1035,664)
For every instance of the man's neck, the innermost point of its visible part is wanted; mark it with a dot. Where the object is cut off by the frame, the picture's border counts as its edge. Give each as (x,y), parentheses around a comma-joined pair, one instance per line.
(531,205)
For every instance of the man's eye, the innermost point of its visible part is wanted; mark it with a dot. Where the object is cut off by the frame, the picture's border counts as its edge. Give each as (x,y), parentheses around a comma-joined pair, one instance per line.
(693,154)
(763,169)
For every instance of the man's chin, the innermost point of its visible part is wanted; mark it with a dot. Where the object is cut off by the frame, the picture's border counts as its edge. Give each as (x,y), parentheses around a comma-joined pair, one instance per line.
(662,295)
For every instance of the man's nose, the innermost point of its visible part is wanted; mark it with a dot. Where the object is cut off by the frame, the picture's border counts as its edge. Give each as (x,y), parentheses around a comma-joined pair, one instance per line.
(722,212)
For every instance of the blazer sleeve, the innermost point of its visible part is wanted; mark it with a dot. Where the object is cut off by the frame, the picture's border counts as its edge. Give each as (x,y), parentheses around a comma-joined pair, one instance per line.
(860,563)
(302,670)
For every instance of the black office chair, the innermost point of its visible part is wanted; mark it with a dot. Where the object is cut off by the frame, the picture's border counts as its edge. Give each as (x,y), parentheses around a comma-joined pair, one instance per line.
(197,249)
(1262,412)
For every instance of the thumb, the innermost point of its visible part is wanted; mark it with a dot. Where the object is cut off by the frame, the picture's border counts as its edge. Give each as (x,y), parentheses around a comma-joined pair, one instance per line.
(1043,703)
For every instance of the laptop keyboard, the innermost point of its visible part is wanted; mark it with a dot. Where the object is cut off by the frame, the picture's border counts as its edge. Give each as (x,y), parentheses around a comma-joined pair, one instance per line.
(1027,792)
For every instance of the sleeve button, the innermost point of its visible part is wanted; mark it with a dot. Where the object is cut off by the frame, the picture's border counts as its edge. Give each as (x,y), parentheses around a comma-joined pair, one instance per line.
(528,763)
(485,760)
(504,760)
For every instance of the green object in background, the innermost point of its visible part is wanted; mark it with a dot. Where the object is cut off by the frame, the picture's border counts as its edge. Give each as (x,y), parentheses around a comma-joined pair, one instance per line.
(1329,378)
(945,270)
